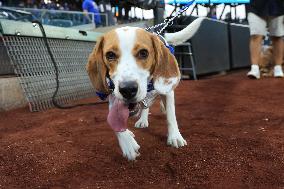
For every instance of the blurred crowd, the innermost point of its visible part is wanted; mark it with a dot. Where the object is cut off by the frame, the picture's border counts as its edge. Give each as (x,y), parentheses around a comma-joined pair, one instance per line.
(52,5)
(75,5)
(116,11)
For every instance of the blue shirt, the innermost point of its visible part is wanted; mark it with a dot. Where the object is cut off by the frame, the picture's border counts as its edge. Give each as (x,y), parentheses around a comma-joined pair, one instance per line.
(91,7)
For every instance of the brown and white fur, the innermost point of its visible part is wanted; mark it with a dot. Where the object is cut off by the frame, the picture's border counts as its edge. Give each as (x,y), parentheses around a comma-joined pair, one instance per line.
(131,54)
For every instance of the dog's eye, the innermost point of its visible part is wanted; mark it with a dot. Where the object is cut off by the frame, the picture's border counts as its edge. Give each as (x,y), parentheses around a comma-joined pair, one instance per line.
(143,54)
(111,56)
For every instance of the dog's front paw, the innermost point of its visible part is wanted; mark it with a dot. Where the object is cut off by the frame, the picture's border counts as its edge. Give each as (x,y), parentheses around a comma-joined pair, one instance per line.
(128,144)
(142,123)
(176,140)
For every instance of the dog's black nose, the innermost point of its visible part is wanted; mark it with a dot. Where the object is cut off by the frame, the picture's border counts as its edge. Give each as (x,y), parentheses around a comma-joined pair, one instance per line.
(128,89)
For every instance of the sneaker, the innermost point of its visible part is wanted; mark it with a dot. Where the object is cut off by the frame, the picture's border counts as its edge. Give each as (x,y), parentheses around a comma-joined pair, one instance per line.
(278,72)
(254,73)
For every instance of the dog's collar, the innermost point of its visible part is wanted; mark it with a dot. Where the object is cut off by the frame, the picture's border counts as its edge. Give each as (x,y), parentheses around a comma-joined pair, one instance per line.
(103,96)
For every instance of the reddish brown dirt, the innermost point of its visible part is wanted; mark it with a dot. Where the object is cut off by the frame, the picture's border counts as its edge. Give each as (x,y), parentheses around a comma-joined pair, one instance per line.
(234,127)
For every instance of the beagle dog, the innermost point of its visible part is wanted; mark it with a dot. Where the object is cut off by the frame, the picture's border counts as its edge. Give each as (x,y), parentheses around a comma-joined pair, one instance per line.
(130,58)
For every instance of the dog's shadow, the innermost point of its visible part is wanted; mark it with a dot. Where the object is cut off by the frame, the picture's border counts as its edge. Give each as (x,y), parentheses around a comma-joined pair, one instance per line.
(156,129)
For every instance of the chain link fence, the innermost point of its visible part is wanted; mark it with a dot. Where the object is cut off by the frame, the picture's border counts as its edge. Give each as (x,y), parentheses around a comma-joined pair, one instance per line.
(36,72)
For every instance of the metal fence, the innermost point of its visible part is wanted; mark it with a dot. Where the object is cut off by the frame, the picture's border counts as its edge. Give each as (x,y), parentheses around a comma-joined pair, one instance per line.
(32,63)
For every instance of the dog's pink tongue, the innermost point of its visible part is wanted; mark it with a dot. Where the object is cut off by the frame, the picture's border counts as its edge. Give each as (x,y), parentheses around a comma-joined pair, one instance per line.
(118,115)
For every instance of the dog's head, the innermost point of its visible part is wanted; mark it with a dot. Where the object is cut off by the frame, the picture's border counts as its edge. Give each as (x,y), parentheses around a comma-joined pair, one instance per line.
(132,57)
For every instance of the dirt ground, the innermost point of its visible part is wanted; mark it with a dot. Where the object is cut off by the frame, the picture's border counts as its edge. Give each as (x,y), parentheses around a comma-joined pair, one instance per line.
(234,128)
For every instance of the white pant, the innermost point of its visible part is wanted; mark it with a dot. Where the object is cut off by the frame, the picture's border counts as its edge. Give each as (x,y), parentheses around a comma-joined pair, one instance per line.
(258,25)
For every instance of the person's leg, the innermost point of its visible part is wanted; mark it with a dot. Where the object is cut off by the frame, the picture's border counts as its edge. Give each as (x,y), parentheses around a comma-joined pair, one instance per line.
(276,28)
(257,31)
(255,48)
(277,43)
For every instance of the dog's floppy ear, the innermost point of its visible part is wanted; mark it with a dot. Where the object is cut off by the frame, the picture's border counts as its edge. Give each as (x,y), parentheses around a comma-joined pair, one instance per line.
(97,69)
(165,71)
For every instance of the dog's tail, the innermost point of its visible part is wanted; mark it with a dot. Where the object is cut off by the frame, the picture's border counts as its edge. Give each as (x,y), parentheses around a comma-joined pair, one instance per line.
(185,34)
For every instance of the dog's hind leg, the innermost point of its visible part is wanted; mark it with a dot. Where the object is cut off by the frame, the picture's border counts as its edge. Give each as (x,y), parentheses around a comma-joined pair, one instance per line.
(143,120)
(174,137)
